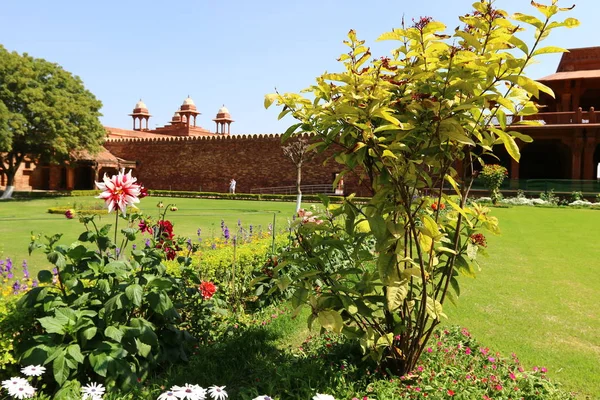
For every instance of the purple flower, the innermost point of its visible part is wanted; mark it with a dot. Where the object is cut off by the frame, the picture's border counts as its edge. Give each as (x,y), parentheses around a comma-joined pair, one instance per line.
(8,264)
(147,243)
(222,224)
(199,232)
(226,233)
(54,271)
(34,283)
(10,275)
(213,246)
(250,229)
(239,223)
(16,286)
(133,247)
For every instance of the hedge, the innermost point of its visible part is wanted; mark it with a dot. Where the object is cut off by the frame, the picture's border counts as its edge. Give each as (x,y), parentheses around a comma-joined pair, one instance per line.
(247,196)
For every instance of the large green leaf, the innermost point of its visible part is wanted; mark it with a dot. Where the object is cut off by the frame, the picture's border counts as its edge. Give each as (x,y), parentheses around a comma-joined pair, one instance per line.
(134,293)
(114,333)
(60,369)
(52,325)
(396,294)
(74,351)
(331,320)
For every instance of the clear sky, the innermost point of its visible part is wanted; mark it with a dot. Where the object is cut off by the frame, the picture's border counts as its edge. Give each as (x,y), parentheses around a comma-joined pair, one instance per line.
(226,52)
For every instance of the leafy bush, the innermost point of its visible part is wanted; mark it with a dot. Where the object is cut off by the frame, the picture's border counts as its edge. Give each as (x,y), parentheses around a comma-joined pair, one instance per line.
(108,316)
(576,196)
(404,122)
(15,322)
(492,176)
(550,197)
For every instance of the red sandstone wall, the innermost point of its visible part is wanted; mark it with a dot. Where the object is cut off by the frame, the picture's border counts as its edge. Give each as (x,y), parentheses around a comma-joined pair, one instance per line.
(208,164)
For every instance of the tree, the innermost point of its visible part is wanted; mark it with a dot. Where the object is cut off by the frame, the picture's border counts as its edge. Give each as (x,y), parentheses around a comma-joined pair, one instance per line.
(381,272)
(298,152)
(45,113)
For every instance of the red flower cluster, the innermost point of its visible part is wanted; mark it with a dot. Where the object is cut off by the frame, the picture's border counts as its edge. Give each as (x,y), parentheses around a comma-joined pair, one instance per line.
(144,227)
(165,229)
(69,214)
(207,290)
(435,206)
(143,191)
(479,239)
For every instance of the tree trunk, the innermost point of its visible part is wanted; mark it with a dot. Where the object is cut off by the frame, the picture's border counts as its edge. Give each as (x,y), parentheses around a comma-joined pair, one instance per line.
(298,189)
(10,171)
(10,185)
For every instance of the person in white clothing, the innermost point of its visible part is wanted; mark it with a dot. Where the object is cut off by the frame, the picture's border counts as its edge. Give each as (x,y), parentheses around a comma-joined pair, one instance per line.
(232,183)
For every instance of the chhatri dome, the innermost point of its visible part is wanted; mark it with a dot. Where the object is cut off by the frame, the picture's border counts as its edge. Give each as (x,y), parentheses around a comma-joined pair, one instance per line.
(188,105)
(139,115)
(223,121)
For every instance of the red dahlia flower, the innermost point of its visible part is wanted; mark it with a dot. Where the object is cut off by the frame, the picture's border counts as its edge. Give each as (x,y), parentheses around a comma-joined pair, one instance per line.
(119,191)
(207,290)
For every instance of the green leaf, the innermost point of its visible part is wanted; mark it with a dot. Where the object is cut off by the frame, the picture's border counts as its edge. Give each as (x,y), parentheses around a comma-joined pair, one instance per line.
(142,348)
(90,332)
(52,325)
(160,283)
(396,294)
(60,369)
(75,352)
(509,144)
(331,320)
(548,50)
(299,297)
(134,293)
(270,98)
(45,276)
(114,333)
(528,19)
(434,309)
(99,362)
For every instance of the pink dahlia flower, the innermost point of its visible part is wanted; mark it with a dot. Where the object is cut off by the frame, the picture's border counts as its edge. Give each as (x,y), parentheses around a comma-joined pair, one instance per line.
(119,191)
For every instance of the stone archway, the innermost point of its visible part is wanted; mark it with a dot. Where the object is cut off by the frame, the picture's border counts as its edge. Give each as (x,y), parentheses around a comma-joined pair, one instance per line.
(545,159)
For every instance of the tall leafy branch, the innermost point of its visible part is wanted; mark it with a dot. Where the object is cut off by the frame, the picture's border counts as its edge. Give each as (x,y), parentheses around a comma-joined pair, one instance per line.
(412,125)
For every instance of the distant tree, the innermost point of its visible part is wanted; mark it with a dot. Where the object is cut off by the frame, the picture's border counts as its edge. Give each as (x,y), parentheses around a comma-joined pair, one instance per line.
(45,113)
(298,152)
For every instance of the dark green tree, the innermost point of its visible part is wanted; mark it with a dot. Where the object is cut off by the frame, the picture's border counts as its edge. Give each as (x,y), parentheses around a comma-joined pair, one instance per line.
(45,113)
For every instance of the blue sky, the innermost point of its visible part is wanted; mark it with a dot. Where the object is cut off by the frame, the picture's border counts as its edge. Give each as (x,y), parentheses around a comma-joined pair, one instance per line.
(226,52)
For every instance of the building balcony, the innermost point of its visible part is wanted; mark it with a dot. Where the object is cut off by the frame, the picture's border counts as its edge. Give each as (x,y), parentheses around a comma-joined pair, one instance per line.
(561,118)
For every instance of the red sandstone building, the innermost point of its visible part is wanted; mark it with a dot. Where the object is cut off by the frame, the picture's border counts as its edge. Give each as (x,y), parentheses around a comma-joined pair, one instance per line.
(184,156)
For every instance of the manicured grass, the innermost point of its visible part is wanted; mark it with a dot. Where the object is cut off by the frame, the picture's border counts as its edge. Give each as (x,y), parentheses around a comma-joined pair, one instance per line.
(538,293)
(19,218)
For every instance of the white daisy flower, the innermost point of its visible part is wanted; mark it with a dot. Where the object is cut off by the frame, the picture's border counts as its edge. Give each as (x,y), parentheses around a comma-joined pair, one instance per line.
(263,397)
(22,391)
(320,396)
(33,370)
(169,395)
(93,391)
(189,392)
(217,392)
(13,383)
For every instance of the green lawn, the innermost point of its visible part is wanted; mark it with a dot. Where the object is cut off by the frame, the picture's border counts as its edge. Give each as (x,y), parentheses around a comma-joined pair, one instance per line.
(538,293)
(19,218)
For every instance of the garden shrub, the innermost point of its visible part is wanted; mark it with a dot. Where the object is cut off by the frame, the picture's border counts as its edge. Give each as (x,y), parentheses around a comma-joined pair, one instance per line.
(15,322)
(404,122)
(492,176)
(105,313)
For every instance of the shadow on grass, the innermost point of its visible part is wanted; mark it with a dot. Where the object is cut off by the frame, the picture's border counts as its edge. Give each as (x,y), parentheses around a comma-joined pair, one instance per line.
(251,364)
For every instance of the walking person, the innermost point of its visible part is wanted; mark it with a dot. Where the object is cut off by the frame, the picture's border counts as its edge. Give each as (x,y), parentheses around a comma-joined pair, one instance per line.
(232,183)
